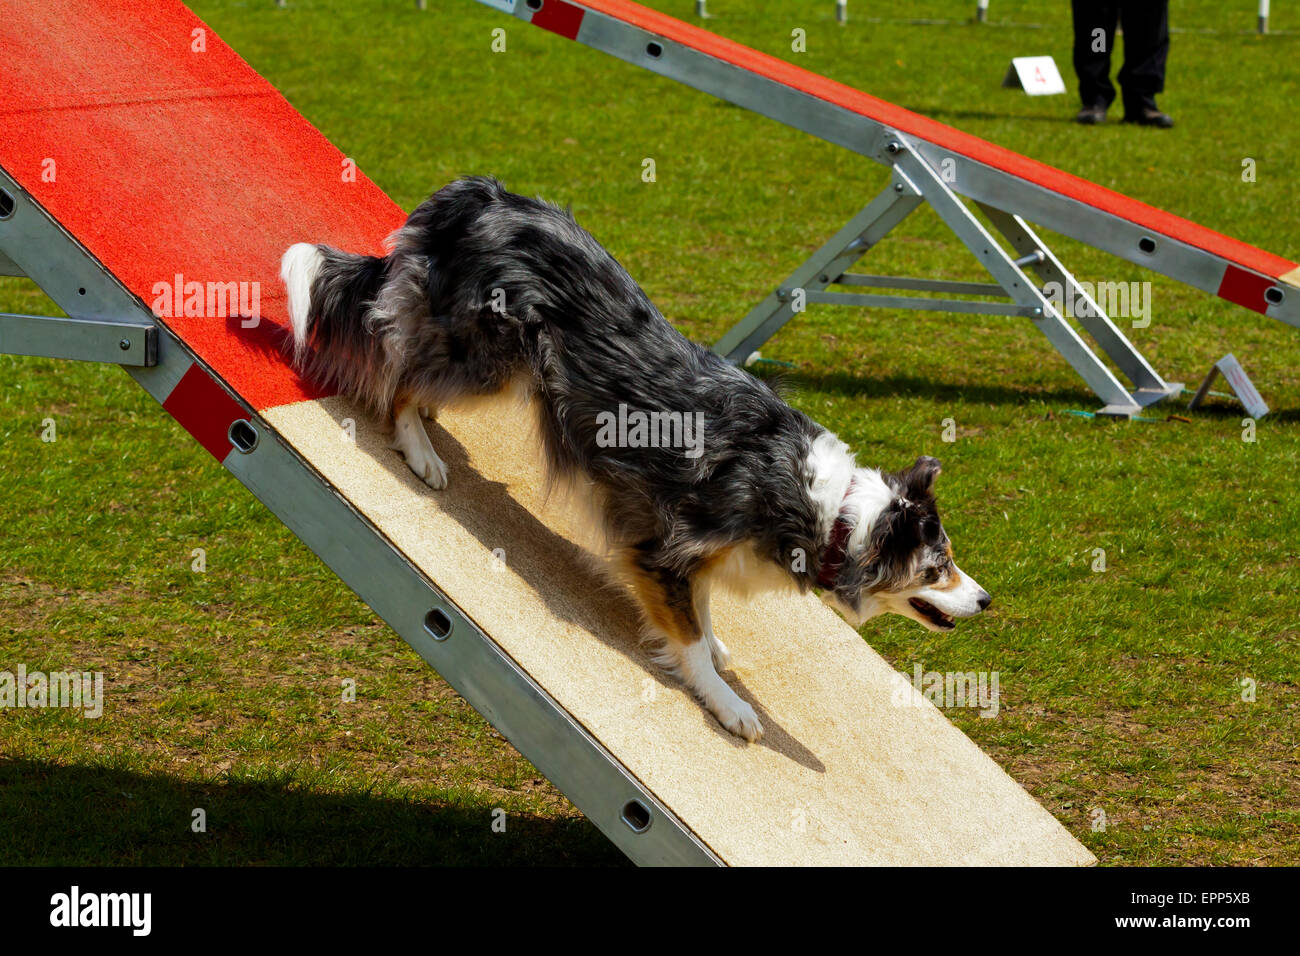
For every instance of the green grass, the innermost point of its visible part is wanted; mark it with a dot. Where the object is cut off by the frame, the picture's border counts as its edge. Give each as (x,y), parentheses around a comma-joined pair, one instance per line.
(1120,690)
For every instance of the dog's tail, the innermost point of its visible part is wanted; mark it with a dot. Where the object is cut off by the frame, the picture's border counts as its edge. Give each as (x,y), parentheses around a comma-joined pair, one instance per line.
(331,296)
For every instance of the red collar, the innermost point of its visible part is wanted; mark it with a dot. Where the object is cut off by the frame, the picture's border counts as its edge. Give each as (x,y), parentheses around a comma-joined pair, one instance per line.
(833,556)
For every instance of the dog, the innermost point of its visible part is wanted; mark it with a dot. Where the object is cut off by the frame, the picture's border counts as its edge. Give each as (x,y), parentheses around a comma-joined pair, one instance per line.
(699,473)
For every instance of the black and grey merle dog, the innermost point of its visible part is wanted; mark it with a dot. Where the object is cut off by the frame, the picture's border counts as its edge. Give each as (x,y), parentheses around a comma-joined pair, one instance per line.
(699,473)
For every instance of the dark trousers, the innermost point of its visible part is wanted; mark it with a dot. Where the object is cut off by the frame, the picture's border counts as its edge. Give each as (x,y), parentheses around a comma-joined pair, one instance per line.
(1146,49)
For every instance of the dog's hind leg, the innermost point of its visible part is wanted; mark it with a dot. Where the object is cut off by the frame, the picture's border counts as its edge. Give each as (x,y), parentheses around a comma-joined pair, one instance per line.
(670,613)
(410,438)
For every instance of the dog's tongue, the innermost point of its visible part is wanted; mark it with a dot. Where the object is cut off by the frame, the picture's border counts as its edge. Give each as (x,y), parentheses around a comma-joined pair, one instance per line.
(932,613)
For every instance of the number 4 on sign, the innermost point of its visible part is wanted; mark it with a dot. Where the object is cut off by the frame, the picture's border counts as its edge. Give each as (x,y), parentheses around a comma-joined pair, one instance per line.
(1036,75)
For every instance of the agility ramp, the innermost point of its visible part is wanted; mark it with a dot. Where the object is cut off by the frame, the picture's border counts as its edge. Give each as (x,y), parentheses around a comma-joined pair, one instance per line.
(936,164)
(175,166)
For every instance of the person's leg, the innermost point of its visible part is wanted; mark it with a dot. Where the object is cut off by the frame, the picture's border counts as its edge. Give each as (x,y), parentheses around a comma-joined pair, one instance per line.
(1146,51)
(1094,35)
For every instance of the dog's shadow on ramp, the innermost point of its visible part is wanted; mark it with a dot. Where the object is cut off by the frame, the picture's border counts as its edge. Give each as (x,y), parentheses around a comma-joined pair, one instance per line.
(564,576)
(775,737)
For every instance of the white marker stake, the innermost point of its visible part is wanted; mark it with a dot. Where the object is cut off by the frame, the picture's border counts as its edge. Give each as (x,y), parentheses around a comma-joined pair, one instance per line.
(1036,75)
(1241,385)
(982,11)
(1262,23)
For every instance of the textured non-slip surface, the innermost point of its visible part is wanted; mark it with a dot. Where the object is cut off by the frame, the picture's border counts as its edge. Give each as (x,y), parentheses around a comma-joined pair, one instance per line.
(847,773)
(166,154)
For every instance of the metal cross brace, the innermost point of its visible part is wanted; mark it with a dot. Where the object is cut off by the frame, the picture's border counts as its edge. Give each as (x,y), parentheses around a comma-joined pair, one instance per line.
(914,180)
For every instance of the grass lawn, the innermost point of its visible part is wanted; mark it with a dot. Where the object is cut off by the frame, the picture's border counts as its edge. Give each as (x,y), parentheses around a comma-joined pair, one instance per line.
(1121,690)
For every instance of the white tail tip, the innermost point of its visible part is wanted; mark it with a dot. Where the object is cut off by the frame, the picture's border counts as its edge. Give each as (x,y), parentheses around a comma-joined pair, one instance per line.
(298,268)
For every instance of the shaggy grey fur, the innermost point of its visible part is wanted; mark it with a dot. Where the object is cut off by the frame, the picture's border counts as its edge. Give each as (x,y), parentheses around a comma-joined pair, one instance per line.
(483,286)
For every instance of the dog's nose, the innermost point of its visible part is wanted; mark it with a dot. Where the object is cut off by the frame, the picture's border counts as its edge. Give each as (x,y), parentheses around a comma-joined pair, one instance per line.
(985,600)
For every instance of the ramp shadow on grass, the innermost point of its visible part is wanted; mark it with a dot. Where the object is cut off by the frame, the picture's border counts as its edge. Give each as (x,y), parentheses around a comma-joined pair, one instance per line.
(897,386)
(908,386)
(944,114)
(52,815)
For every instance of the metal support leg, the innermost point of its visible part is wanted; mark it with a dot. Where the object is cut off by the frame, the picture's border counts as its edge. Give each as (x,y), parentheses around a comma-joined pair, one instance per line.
(1010,276)
(825,266)
(105,325)
(1150,387)
(913,181)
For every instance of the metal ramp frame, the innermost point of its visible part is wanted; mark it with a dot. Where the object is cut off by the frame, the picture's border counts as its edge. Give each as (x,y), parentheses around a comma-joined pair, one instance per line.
(912,182)
(934,163)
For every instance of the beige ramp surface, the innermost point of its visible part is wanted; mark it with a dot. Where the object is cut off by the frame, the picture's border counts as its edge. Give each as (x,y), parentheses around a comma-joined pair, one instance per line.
(856,767)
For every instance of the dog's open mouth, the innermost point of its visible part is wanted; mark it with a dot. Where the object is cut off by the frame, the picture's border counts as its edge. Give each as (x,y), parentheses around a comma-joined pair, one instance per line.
(931,613)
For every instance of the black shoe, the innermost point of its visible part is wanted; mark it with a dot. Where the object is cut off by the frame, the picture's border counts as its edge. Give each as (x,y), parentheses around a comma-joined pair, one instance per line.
(1091,115)
(1150,117)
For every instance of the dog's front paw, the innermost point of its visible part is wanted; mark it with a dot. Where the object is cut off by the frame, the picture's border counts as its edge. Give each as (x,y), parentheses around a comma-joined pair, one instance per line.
(425,463)
(434,474)
(739,718)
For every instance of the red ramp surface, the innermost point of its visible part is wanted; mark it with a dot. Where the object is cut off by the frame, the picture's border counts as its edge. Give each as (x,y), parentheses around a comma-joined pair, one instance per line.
(165,154)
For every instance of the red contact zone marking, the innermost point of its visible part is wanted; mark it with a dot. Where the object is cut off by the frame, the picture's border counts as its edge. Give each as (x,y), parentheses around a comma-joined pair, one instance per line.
(1245,288)
(205,410)
(174,157)
(560,17)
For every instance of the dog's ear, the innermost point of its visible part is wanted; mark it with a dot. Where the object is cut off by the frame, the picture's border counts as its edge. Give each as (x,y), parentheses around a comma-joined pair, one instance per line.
(895,538)
(919,479)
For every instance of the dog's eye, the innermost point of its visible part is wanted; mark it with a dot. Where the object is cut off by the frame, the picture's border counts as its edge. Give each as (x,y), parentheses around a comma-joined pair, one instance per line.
(931,529)
(931,575)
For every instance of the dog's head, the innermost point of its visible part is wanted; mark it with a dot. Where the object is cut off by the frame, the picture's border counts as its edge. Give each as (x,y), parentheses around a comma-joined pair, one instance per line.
(897,557)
